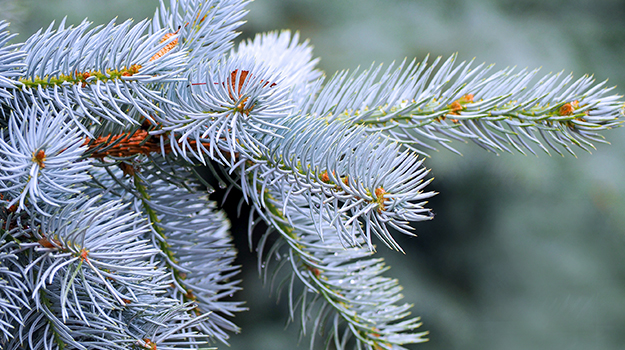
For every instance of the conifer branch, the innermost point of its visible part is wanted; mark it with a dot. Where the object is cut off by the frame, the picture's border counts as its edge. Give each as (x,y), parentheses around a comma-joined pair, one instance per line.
(196,246)
(107,238)
(420,105)
(344,171)
(350,298)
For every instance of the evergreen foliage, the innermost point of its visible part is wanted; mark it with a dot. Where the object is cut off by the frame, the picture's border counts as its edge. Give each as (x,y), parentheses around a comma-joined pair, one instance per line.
(108,239)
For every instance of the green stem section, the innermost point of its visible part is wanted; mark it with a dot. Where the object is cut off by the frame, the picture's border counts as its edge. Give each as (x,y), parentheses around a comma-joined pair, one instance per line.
(432,113)
(286,229)
(48,304)
(81,78)
(163,245)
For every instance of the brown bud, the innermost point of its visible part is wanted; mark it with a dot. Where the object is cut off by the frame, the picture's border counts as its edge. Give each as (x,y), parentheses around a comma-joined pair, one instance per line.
(39,157)
(566,109)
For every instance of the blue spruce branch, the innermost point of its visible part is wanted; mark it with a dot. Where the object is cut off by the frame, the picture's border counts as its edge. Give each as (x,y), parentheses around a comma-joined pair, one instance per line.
(107,237)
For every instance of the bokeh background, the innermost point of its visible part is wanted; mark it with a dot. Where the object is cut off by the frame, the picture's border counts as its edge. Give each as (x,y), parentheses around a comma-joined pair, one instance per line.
(525,252)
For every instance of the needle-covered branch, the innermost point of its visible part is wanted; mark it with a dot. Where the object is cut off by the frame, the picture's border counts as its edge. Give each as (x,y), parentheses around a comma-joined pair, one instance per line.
(344,172)
(345,294)
(100,74)
(418,105)
(107,237)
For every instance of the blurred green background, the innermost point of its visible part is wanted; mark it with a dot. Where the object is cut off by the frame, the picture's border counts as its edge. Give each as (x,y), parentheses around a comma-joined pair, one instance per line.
(525,252)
